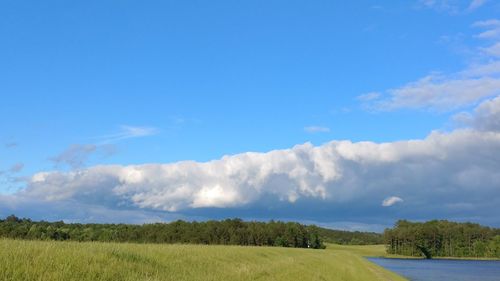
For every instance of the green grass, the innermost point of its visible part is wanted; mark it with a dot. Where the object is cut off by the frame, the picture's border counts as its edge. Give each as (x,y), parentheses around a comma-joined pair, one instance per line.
(48,261)
(369,251)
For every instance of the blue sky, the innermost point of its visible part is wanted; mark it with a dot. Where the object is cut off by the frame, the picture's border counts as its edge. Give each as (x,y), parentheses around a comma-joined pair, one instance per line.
(89,84)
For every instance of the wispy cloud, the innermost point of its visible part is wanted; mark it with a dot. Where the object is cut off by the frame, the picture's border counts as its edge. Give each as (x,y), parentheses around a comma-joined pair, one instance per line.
(128,132)
(16,168)
(316,129)
(476,4)
(368,97)
(493,50)
(447,92)
(440,5)
(11,144)
(438,92)
(452,6)
(492,27)
(75,155)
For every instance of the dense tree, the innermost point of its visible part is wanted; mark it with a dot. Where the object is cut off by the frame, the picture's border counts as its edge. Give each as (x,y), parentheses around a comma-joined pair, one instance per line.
(442,238)
(227,232)
(349,237)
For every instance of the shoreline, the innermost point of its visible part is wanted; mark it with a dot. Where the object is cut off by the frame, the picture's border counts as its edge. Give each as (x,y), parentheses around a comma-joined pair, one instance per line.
(435,258)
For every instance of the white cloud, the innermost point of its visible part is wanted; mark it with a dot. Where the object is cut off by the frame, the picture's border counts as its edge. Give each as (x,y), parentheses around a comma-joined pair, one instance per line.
(486,116)
(317,129)
(449,6)
(127,132)
(132,132)
(439,93)
(389,201)
(446,167)
(368,97)
(452,6)
(493,50)
(474,4)
(447,92)
(443,169)
(490,69)
(492,27)
(16,168)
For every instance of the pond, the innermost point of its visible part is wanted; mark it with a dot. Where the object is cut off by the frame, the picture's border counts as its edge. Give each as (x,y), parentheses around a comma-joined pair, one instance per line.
(442,269)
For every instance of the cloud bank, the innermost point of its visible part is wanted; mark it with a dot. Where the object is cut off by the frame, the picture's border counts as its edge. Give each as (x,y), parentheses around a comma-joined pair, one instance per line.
(447,174)
(340,171)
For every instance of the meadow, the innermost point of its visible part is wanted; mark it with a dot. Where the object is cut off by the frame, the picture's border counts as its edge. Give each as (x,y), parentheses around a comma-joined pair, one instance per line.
(22,260)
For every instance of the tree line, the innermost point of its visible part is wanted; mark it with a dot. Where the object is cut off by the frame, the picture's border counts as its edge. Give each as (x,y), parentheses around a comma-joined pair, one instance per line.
(441,238)
(350,237)
(225,232)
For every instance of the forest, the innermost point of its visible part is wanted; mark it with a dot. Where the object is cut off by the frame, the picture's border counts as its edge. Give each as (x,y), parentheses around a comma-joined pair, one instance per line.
(343,237)
(441,238)
(226,232)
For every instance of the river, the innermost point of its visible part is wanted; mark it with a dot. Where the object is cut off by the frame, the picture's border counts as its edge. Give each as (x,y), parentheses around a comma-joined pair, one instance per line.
(442,269)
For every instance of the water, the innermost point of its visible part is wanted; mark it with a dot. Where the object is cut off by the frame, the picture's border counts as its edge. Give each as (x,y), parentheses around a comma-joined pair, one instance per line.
(439,270)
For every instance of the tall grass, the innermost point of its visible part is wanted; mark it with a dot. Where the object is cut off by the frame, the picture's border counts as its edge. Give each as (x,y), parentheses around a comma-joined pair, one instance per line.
(47,261)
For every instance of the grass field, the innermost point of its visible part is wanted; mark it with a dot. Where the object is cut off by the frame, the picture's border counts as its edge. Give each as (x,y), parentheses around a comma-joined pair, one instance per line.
(47,261)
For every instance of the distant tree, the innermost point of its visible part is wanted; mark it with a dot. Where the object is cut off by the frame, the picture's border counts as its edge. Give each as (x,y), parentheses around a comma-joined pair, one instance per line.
(494,246)
(12,219)
(441,238)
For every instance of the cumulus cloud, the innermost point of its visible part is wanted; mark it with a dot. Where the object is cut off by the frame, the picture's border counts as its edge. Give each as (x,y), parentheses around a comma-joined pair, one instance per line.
(486,116)
(389,201)
(317,129)
(339,180)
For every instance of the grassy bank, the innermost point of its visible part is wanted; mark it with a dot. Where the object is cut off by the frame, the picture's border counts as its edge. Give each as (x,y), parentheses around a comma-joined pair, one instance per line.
(37,260)
(368,251)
